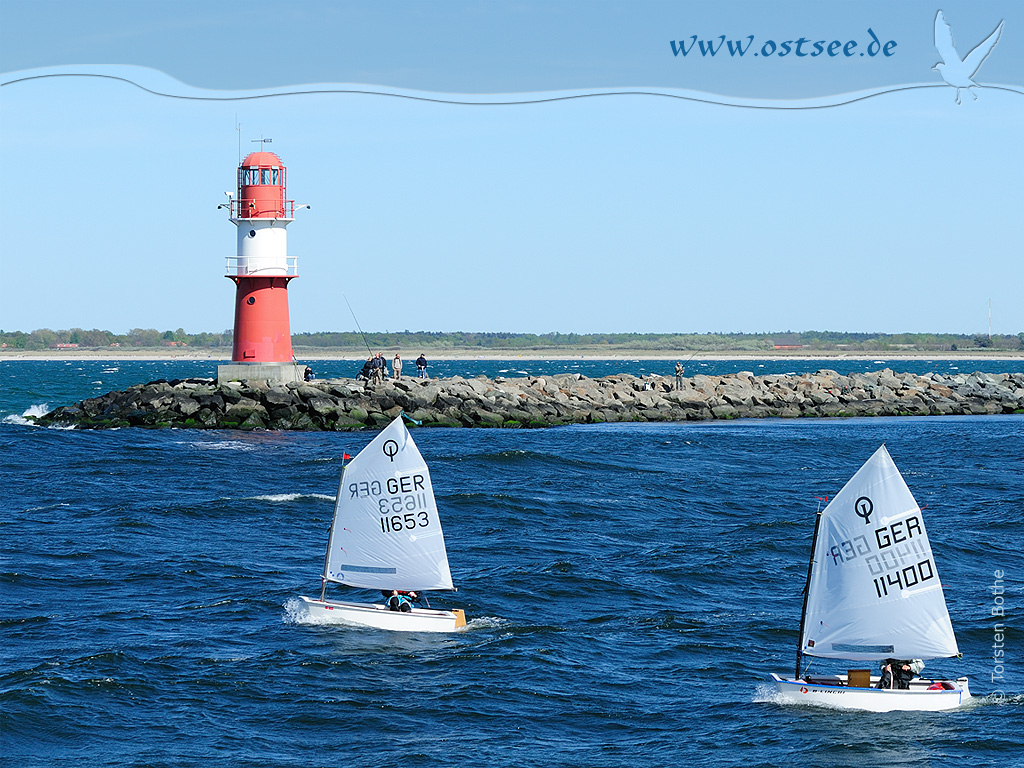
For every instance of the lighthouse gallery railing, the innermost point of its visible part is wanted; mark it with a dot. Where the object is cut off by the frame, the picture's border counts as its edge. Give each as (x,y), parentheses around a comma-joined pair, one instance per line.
(240,266)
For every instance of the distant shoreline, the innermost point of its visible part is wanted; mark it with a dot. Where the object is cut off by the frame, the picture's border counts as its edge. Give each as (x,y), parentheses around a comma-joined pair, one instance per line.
(304,356)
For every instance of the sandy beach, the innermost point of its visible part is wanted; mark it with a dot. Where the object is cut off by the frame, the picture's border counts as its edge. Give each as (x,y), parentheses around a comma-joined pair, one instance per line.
(311,355)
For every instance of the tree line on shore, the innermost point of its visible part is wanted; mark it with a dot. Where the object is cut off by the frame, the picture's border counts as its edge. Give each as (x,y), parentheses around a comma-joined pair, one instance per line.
(147,338)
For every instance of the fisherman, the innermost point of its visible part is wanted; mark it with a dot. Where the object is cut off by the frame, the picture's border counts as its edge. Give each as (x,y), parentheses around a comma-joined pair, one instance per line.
(400,600)
(898,674)
(421,366)
(364,374)
(679,375)
(379,368)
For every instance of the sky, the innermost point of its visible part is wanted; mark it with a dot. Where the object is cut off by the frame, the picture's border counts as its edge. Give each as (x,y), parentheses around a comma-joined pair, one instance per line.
(527,167)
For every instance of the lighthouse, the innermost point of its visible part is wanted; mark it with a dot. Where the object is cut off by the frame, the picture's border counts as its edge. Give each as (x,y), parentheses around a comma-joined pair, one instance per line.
(261,271)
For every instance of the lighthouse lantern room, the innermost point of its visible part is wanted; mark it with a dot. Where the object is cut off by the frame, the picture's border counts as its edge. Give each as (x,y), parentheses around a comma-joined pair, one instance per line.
(261,270)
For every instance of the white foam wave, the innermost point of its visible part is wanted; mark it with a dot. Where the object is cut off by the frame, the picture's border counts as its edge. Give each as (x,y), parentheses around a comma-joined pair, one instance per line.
(485,622)
(295,612)
(286,497)
(995,699)
(33,410)
(765,693)
(47,507)
(225,445)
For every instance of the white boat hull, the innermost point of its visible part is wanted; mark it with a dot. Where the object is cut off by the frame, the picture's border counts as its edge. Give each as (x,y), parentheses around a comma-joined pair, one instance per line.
(917,699)
(375,615)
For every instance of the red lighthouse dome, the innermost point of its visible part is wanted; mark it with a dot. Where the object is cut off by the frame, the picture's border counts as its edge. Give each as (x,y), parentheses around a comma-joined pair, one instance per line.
(262,185)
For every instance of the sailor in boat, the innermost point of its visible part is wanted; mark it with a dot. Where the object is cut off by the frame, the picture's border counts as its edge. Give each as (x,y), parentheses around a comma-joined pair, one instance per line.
(399,600)
(898,674)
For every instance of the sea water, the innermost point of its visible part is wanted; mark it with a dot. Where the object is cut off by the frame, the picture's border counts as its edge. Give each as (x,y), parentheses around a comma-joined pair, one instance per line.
(628,586)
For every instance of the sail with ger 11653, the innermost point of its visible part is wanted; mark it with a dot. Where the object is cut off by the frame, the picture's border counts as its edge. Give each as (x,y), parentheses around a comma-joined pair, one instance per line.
(386,532)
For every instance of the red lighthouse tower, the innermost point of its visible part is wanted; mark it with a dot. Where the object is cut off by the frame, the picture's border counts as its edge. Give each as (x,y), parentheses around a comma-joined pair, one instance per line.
(262,269)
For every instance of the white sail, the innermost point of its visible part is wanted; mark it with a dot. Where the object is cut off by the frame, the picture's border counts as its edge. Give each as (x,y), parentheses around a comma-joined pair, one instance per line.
(874,591)
(386,533)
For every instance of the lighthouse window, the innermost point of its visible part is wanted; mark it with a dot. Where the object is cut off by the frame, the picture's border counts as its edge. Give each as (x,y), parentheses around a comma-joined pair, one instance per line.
(251,300)
(252,233)
(275,175)
(266,176)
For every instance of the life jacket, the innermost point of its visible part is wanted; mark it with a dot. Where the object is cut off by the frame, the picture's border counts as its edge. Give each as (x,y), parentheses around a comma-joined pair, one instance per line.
(395,602)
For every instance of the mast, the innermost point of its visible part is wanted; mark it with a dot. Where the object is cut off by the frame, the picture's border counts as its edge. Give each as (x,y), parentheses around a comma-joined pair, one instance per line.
(807,589)
(330,537)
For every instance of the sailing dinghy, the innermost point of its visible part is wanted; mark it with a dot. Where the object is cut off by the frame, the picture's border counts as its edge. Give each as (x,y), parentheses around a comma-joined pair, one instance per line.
(386,535)
(872,594)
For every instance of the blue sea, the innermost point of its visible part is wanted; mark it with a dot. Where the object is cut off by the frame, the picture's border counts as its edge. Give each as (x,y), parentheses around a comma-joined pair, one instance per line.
(629,587)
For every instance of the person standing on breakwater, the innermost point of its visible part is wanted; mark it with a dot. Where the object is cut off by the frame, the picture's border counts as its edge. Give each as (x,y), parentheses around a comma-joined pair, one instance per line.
(396,366)
(365,371)
(379,368)
(679,375)
(421,366)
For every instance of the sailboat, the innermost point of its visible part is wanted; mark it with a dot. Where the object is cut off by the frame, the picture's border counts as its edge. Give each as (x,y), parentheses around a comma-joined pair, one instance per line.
(873,594)
(386,535)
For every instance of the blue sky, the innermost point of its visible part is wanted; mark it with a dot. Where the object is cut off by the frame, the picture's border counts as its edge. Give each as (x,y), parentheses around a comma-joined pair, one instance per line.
(899,212)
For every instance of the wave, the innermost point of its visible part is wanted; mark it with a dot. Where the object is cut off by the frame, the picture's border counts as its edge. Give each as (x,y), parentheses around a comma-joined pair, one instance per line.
(33,410)
(159,83)
(47,507)
(486,622)
(286,497)
(995,699)
(222,445)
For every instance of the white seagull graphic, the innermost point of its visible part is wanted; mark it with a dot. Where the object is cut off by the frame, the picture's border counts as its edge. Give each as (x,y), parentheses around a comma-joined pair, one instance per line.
(955,71)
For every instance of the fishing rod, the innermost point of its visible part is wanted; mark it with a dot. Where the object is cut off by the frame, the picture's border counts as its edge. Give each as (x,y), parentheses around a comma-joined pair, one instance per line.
(693,354)
(357,324)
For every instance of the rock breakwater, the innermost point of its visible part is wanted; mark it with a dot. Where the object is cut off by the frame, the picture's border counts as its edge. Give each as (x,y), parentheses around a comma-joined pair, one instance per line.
(539,401)
(348,404)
